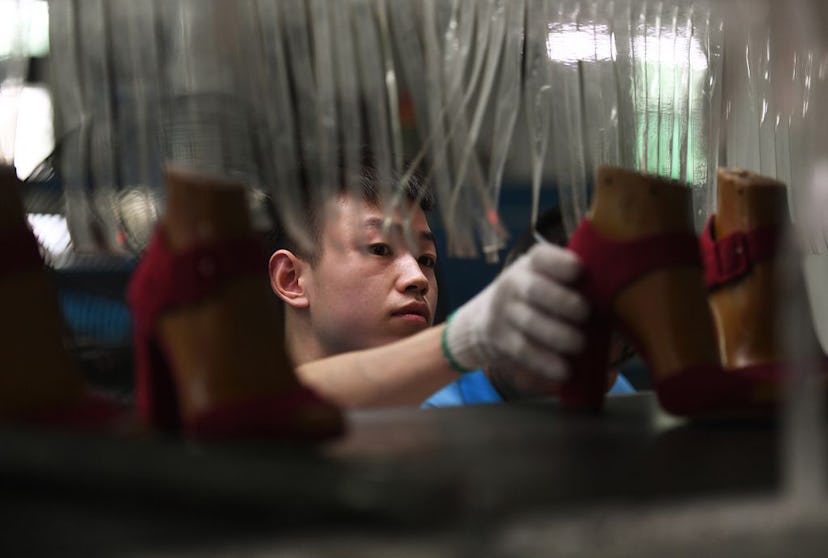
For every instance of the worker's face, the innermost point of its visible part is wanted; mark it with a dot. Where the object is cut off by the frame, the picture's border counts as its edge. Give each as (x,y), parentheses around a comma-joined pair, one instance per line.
(368,288)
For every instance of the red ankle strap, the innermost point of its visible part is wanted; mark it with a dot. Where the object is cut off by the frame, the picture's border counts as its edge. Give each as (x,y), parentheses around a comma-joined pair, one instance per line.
(611,265)
(165,280)
(20,252)
(729,258)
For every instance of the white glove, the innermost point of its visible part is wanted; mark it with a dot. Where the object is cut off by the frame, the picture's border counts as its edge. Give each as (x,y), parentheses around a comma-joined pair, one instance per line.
(527,318)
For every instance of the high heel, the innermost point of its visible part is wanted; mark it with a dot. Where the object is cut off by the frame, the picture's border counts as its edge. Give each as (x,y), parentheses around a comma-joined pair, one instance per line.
(190,329)
(621,264)
(39,383)
(743,263)
(643,276)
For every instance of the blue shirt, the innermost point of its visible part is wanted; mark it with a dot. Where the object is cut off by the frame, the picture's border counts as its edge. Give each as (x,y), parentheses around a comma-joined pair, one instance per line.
(474,388)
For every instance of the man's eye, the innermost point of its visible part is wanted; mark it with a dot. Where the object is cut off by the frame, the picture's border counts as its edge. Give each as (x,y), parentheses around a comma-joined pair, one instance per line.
(379,249)
(427,261)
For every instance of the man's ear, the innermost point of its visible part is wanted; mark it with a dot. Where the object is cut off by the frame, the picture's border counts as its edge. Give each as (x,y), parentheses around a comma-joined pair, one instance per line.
(286,278)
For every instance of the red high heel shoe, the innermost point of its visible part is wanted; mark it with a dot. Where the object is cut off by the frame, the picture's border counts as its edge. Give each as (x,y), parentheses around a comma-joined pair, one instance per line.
(164,282)
(642,274)
(53,395)
(610,266)
(743,261)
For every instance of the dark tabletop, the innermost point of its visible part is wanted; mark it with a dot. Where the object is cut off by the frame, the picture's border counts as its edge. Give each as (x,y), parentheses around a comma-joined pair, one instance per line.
(396,471)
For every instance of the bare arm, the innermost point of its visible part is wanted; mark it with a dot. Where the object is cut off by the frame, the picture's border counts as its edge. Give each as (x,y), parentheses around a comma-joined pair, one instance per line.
(405,372)
(527,318)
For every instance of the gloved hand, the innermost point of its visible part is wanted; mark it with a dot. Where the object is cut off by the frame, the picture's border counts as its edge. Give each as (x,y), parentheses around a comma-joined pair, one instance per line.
(527,318)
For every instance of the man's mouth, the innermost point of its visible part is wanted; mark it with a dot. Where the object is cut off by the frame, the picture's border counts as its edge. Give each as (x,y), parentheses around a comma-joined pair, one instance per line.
(416,312)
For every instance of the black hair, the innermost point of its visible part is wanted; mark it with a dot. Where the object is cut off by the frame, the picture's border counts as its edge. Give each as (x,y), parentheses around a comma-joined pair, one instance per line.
(414,189)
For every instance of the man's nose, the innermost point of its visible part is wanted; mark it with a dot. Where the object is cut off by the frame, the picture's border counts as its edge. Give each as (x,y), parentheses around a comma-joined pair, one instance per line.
(412,278)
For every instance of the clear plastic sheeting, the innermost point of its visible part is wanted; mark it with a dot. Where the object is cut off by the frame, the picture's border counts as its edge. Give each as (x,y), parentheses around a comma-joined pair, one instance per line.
(537,91)
(797,98)
(289,98)
(142,85)
(85,125)
(775,107)
(636,85)
(286,97)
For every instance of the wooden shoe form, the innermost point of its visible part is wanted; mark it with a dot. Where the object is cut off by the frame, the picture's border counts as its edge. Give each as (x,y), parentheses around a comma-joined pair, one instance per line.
(37,372)
(747,309)
(230,347)
(665,310)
